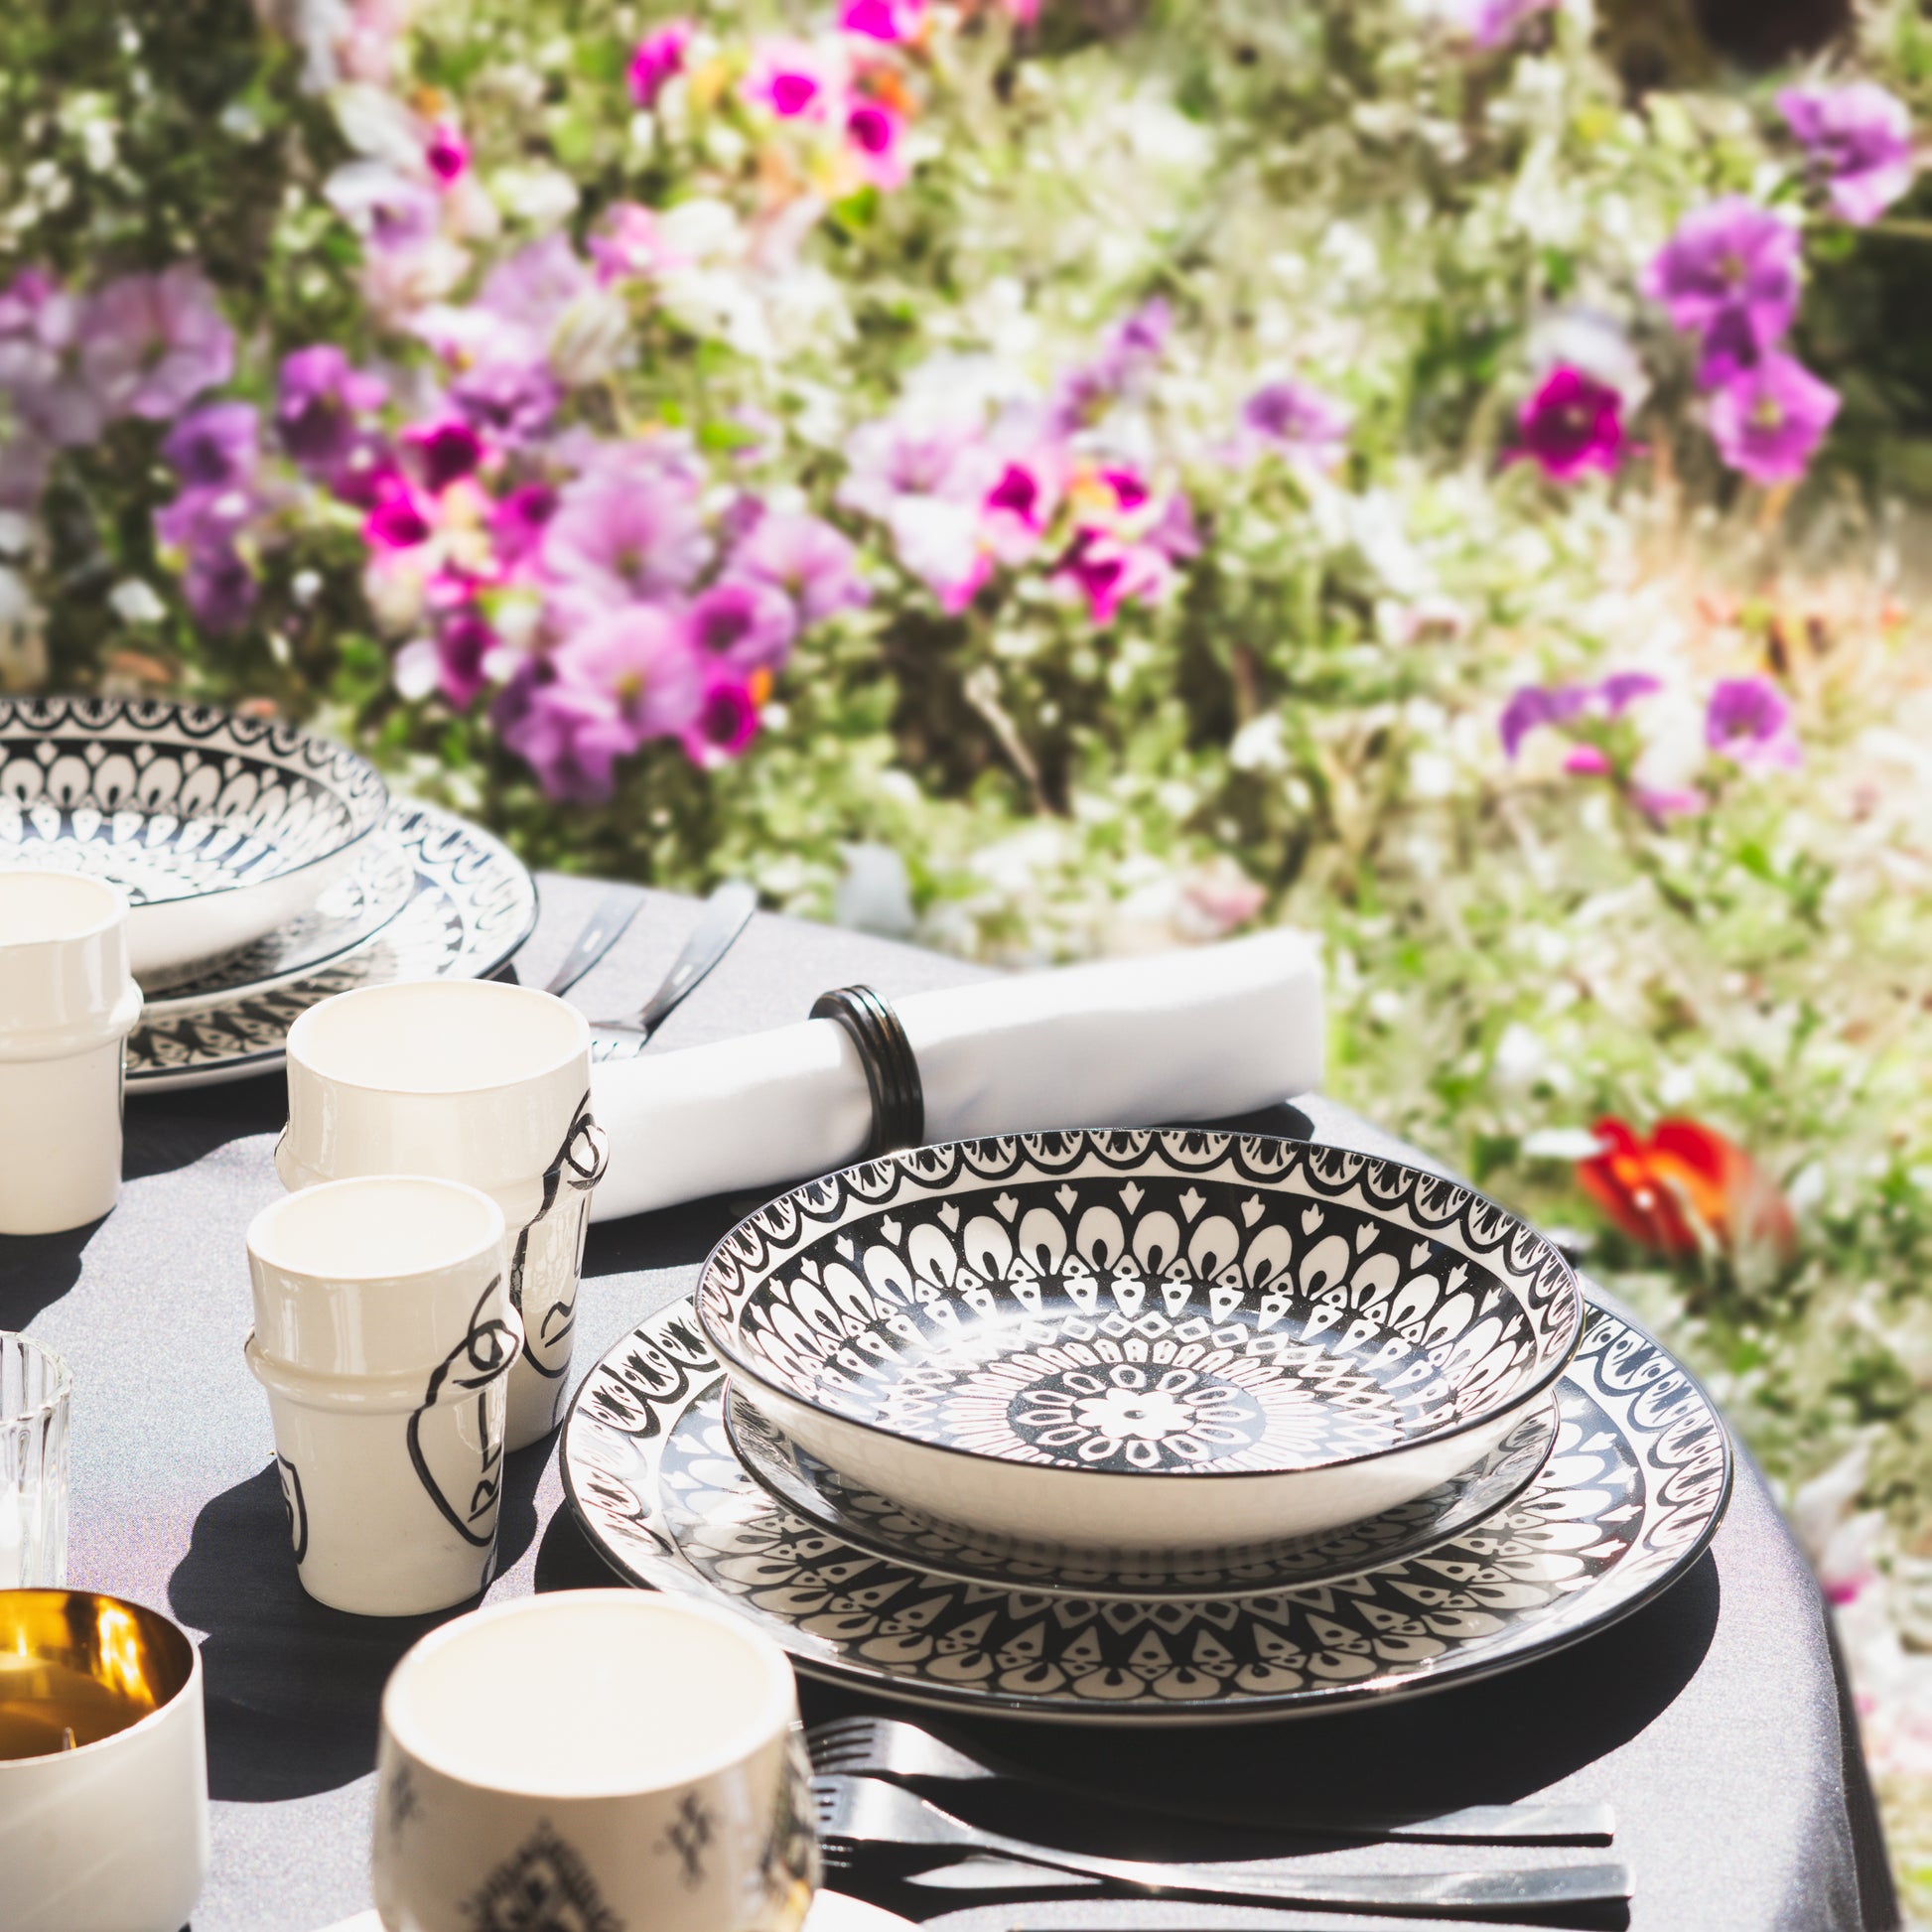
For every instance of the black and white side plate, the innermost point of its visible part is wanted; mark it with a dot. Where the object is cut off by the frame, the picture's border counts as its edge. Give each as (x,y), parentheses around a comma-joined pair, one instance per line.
(471,904)
(821,1495)
(1630,1496)
(349,914)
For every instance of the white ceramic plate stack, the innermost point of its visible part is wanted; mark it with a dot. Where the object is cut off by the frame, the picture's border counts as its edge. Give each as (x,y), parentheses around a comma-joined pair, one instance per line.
(1146,1425)
(265,868)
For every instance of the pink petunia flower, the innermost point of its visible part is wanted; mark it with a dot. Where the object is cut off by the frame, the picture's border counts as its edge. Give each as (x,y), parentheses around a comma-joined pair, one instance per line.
(1729,272)
(445,451)
(1860,139)
(41,372)
(616,536)
(891,21)
(1749,722)
(807,558)
(1570,425)
(627,241)
(1768,419)
(727,718)
(151,344)
(446,154)
(1109,573)
(874,136)
(658,55)
(397,519)
(746,624)
(791,80)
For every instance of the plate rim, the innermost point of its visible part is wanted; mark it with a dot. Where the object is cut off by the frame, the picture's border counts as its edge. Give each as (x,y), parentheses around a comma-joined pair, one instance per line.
(1543,1384)
(1342,1696)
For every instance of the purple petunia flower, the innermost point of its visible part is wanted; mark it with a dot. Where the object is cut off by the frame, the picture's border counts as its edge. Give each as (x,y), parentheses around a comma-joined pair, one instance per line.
(621,535)
(204,524)
(463,647)
(40,362)
(151,344)
(727,719)
(749,625)
(1729,272)
(1572,424)
(1859,138)
(1622,689)
(658,55)
(214,447)
(1305,425)
(219,589)
(1749,722)
(519,520)
(317,402)
(445,453)
(1768,419)
(1128,353)
(1534,705)
(803,556)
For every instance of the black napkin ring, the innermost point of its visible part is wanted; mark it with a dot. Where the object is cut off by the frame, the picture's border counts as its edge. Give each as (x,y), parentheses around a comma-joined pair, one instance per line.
(892,1073)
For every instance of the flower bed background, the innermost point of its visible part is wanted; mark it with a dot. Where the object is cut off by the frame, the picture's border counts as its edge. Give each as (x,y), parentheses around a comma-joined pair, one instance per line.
(1062,480)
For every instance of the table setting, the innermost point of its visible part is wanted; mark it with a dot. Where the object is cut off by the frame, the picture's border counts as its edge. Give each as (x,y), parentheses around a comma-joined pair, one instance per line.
(852,1435)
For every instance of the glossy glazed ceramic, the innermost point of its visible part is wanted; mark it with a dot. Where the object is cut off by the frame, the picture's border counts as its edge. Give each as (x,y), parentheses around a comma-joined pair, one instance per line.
(1131,1342)
(473,1081)
(592,1758)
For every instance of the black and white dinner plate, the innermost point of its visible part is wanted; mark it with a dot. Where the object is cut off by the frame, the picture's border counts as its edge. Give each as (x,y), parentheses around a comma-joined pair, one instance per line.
(849,1511)
(472,902)
(1632,1494)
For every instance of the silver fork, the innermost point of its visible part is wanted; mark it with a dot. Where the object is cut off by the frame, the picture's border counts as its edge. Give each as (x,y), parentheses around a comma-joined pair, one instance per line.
(725,914)
(890,1747)
(854,1813)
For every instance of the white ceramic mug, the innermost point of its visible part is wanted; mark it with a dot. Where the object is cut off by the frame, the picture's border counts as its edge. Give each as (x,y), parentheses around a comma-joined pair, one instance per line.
(617,1757)
(111,1833)
(385,1337)
(479,1082)
(67,1003)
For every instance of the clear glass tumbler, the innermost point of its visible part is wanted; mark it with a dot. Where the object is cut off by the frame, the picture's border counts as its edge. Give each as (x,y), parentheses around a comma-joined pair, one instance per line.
(34,1388)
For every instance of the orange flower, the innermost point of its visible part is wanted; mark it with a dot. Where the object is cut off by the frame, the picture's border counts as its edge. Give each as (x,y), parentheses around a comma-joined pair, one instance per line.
(1685,1189)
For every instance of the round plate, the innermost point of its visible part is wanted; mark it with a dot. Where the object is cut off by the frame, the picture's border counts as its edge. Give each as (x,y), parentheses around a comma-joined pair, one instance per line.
(1187,1342)
(907,1535)
(1629,1498)
(473,904)
(218,828)
(349,914)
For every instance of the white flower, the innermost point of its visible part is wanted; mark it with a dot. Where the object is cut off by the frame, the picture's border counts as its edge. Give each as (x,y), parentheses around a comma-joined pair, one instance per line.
(876,894)
(591,338)
(543,198)
(134,602)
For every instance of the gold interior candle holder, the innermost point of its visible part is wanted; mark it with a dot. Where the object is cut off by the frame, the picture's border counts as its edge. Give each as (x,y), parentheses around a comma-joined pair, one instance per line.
(76,1667)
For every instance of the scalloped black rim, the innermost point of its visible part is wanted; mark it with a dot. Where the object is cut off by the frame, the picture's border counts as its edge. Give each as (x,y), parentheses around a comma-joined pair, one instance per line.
(1519,1399)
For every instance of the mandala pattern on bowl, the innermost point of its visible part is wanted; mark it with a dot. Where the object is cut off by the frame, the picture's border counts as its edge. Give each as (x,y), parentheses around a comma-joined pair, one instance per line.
(1630,1496)
(833,1502)
(1135,1301)
(170,800)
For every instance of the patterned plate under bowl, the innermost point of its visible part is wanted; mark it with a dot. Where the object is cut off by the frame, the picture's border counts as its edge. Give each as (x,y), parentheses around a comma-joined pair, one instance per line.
(1629,1498)
(907,1535)
(471,904)
(218,828)
(1131,1342)
(349,914)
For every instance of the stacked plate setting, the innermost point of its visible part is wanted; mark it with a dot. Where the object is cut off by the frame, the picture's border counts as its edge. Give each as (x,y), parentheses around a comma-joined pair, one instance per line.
(1141,1425)
(265,869)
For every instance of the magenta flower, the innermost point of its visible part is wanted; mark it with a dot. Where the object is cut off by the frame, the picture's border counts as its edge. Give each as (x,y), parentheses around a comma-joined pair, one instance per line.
(791,80)
(317,402)
(1109,573)
(892,21)
(519,520)
(151,344)
(1495,23)
(1300,421)
(1570,425)
(727,719)
(876,135)
(1860,139)
(658,55)
(747,624)
(40,362)
(397,519)
(215,447)
(618,536)
(1768,419)
(623,678)
(445,453)
(803,556)
(446,154)
(1749,722)
(463,647)
(1534,705)
(1731,270)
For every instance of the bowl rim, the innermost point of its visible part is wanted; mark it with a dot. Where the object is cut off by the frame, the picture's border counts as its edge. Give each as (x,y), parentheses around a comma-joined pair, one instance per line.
(724,1345)
(14,715)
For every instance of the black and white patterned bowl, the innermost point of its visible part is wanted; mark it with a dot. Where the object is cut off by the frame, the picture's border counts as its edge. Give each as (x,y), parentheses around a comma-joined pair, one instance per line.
(218,828)
(1140,1341)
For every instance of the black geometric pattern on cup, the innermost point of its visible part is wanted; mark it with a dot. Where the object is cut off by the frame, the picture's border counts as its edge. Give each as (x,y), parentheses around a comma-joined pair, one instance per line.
(577,1167)
(293,1505)
(349,914)
(484,1355)
(904,1535)
(1181,1304)
(1630,1496)
(688,1837)
(472,905)
(544,1887)
(402,1803)
(171,800)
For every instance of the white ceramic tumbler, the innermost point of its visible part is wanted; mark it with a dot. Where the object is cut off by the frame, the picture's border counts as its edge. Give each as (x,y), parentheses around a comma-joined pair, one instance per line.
(475,1081)
(593,1759)
(67,1003)
(385,1337)
(103,1766)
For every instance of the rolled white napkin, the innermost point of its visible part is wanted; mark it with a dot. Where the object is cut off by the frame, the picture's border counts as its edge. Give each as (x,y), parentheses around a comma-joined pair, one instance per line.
(1172,1037)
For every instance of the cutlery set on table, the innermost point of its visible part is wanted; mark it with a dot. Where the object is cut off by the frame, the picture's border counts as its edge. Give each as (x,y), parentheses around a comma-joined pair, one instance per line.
(995,1417)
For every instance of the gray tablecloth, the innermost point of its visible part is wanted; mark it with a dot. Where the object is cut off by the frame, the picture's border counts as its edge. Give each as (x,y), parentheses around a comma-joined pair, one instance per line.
(1714,1720)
